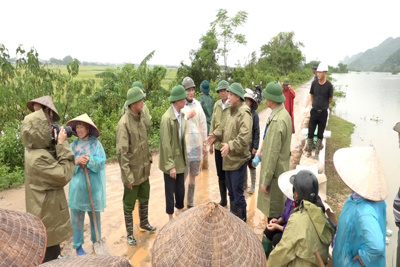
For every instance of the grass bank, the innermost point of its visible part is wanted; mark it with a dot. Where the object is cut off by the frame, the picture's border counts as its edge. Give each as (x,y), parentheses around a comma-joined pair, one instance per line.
(341,137)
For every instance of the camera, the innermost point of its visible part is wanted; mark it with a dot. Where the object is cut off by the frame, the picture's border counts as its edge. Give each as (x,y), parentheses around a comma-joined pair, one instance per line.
(57,127)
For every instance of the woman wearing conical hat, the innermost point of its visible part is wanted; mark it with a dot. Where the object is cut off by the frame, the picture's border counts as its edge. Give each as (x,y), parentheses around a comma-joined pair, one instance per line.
(89,153)
(360,239)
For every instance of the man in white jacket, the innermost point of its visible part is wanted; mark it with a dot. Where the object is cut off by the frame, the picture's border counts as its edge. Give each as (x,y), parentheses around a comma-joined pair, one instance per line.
(196,134)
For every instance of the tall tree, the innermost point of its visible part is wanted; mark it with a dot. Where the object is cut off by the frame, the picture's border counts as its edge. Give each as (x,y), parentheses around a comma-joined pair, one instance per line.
(281,55)
(226,27)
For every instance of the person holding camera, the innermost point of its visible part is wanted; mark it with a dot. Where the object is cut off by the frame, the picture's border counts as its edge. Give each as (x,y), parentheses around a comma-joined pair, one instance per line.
(89,154)
(47,172)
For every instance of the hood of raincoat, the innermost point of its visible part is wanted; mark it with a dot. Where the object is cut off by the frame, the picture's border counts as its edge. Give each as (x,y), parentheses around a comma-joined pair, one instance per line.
(35,130)
(321,224)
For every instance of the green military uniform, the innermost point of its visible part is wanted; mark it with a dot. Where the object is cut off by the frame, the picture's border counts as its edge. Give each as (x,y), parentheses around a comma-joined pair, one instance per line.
(134,159)
(306,231)
(46,176)
(218,121)
(207,102)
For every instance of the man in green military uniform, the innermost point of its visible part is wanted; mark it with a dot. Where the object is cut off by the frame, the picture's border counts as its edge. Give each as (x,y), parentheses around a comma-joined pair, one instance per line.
(207,103)
(135,162)
(49,166)
(173,151)
(220,114)
(146,111)
(236,138)
(275,154)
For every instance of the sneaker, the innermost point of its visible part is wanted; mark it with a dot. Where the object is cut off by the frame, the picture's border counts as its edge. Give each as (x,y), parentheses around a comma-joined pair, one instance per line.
(131,240)
(147,227)
(80,251)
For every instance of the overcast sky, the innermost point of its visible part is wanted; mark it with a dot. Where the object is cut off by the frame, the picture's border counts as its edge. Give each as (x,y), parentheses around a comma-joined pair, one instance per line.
(126,31)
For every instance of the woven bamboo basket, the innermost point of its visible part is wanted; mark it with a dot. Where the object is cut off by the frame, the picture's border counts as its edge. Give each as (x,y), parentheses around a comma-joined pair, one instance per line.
(89,261)
(22,239)
(207,235)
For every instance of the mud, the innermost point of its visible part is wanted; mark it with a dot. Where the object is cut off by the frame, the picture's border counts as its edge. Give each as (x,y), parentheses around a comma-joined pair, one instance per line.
(112,220)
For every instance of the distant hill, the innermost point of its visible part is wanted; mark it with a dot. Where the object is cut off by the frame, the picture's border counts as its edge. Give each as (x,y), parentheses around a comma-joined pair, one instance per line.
(392,64)
(373,58)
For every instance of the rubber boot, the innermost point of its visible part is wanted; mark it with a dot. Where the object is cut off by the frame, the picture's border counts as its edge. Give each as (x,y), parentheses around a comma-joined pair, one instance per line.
(318,148)
(129,228)
(309,147)
(144,218)
(245,181)
(233,208)
(222,192)
(190,196)
(267,245)
(253,181)
(242,214)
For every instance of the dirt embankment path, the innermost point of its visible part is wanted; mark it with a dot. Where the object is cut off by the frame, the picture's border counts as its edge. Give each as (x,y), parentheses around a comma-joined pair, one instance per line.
(112,220)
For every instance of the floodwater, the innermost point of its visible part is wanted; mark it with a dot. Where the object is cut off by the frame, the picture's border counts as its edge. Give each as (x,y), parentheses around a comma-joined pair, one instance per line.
(372,103)
(112,220)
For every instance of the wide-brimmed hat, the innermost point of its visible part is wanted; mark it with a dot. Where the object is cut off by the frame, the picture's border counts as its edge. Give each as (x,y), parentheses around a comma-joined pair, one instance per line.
(23,239)
(45,101)
(93,130)
(89,260)
(177,93)
(205,87)
(207,235)
(397,127)
(223,85)
(285,185)
(237,89)
(322,67)
(361,170)
(274,92)
(286,82)
(249,94)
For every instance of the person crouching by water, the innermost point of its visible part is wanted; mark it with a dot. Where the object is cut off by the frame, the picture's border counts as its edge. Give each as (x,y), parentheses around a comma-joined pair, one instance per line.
(135,160)
(173,157)
(235,138)
(89,154)
(49,166)
(307,230)
(360,238)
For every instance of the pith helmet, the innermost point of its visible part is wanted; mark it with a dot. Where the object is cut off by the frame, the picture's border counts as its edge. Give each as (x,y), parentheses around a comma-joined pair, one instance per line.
(134,95)
(397,127)
(188,83)
(273,92)
(237,89)
(177,93)
(45,101)
(223,85)
(138,84)
(286,82)
(205,87)
(93,130)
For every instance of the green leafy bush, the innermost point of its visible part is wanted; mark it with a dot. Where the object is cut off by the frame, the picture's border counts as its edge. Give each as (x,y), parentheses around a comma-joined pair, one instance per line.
(10,178)
(11,147)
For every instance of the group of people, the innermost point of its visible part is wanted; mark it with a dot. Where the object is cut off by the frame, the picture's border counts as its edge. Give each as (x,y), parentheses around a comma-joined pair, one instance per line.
(189,130)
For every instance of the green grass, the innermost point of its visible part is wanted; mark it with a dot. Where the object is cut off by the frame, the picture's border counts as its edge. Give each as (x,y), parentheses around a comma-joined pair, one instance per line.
(170,76)
(341,137)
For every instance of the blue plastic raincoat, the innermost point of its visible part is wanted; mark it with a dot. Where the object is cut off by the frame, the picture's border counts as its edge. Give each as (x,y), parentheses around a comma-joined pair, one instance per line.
(78,192)
(361,229)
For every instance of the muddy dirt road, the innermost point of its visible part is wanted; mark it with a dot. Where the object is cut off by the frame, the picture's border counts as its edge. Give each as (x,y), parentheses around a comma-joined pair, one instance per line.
(112,220)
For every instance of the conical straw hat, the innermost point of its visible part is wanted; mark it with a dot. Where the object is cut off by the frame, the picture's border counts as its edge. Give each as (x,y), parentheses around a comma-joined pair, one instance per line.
(361,170)
(285,185)
(207,235)
(23,239)
(45,101)
(84,118)
(397,127)
(89,261)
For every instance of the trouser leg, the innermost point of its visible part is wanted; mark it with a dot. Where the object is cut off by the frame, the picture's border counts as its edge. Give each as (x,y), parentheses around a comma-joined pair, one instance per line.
(52,253)
(221,177)
(92,229)
(77,221)
(179,191)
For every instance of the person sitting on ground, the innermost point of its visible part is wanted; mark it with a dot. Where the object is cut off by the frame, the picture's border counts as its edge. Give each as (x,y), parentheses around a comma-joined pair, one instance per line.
(360,238)
(307,230)
(89,154)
